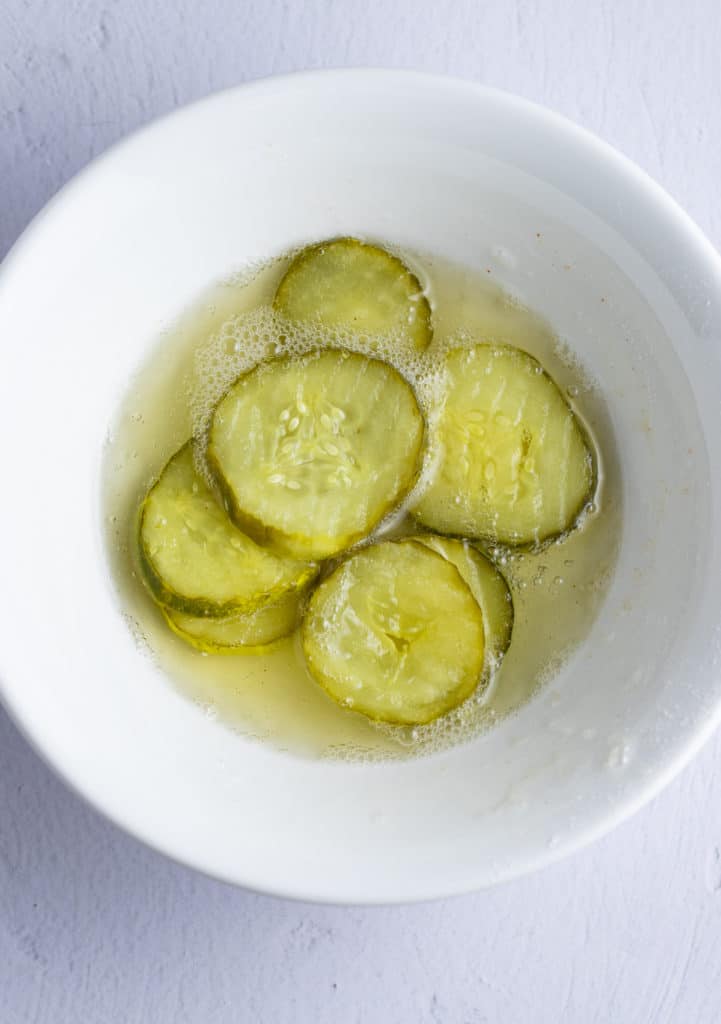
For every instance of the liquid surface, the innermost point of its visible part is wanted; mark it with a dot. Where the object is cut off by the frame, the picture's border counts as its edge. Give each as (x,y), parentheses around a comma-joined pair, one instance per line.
(557,592)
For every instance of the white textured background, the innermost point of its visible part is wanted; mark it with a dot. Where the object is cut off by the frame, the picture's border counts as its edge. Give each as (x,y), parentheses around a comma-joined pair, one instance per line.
(94,929)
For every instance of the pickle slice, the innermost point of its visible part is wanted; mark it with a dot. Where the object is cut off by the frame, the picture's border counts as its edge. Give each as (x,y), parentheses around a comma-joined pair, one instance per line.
(487,585)
(249,633)
(513,463)
(351,284)
(396,634)
(310,453)
(195,560)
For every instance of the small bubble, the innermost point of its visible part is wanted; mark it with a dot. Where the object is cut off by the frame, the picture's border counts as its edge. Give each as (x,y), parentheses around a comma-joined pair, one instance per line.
(558,580)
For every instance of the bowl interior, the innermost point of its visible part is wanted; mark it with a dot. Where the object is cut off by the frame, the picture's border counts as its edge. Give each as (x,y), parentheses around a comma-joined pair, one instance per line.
(566,225)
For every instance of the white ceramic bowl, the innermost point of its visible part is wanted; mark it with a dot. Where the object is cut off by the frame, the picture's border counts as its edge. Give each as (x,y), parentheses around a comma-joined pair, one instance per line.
(430,163)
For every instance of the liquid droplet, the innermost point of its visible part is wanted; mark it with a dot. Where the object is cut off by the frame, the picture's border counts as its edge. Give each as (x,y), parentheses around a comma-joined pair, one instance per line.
(619,756)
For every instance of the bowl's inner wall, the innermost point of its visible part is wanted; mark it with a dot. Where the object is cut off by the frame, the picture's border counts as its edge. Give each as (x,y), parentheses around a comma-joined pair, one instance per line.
(235,181)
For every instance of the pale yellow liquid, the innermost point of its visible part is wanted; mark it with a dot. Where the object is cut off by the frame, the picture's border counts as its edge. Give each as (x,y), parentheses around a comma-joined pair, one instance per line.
(556,592)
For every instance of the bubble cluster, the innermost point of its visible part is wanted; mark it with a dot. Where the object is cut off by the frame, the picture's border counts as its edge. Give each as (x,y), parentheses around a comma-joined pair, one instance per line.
(263,334)
(460,725)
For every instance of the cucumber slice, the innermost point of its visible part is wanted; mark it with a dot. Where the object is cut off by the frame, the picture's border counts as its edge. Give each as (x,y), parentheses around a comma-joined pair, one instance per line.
(489,588)
(347,283)
(193,558)
(310,453)
(514,465)
(251,633)
(396,634)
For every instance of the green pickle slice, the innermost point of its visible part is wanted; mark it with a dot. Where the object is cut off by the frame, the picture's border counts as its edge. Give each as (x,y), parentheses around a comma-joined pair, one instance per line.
(253,632)
(312,452)
(487,585)
(195,560)
(395,634)
(351,284)
(513,463)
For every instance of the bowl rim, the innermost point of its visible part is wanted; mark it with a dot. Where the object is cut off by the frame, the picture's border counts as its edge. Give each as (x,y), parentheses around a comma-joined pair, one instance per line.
(668,213)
